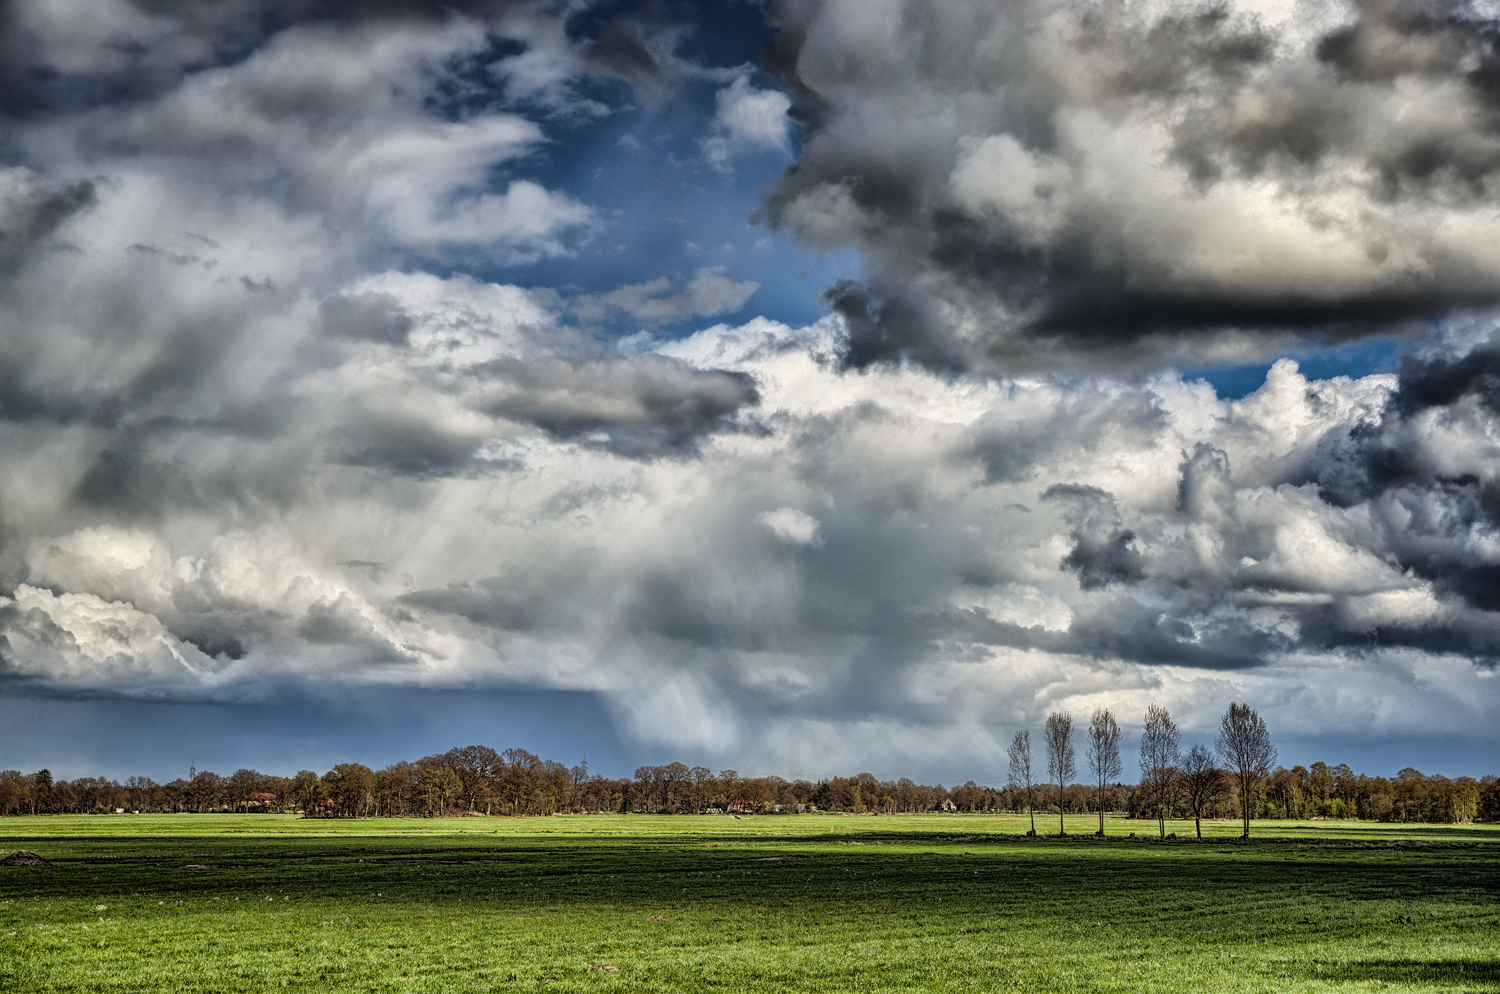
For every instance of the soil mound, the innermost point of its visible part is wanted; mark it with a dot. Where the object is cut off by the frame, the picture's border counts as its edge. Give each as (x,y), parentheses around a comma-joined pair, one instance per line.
(23,858)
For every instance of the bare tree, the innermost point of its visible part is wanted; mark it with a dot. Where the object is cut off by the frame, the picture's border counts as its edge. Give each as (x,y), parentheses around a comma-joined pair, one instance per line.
(1060,765)
(1021,776)
(1102,750)
(1245,746)
(1202,781)
(1160,755)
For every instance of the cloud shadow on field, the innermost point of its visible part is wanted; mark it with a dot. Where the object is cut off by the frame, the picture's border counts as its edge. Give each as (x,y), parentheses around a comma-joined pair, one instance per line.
(1402,971)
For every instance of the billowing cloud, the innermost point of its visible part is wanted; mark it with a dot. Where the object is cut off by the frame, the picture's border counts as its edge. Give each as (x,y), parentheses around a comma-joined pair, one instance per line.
(1051,183)
(277,411)
(839,550)
(747,119)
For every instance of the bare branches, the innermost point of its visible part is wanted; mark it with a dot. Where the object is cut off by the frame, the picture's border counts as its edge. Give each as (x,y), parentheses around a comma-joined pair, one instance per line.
(1061,767)
(1202,782)
(1021,776)
(1160,756)
(1245,746)
(1102,750)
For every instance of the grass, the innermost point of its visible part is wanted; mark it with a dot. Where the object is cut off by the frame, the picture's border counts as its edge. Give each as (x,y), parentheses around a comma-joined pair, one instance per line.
(811,902)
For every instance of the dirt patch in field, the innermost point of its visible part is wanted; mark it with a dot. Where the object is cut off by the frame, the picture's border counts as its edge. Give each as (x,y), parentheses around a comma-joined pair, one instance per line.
(23,858)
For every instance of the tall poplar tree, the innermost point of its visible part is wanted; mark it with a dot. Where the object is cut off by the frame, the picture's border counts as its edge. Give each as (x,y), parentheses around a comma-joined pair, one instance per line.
(1060,765)
(1021,775)
(1160,756)
(1102,750)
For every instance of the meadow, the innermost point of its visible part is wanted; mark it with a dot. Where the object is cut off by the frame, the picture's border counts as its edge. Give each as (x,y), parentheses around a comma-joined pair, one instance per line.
(766,903)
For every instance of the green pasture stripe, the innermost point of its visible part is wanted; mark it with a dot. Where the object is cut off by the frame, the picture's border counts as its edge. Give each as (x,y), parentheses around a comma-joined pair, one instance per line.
(800,903)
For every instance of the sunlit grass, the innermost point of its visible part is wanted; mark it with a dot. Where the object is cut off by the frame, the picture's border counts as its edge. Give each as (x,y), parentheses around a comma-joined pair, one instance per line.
(646,826)
(826,902)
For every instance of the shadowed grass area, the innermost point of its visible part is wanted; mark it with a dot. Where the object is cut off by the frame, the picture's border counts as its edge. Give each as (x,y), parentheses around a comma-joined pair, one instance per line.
(1449,972)
(218,903)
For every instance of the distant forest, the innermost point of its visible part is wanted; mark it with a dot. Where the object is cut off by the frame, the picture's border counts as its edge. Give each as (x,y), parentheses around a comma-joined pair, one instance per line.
(478,780)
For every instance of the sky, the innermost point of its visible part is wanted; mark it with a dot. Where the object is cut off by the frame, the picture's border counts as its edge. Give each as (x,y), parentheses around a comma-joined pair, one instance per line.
(804,387)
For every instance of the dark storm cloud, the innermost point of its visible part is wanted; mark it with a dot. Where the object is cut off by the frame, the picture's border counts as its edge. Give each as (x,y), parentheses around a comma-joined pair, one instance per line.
(375,317)
(1429,466)
(1104,550)
(1443,381)
(406,443)
(635,44)
(1123,628)
(149,473)
(1475,636)
(882,328)
(1053,182)
(32,209)
(642,407)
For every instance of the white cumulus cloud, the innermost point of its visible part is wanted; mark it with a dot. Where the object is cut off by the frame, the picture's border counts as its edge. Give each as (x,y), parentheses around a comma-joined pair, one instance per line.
(792,526)
(747,119)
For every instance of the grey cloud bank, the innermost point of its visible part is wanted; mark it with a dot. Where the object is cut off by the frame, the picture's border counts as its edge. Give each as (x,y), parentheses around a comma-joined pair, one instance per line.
(264,436)
(1053,183)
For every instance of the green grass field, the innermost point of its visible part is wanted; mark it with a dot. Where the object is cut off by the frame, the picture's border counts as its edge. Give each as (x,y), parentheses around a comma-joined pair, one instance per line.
(810,902)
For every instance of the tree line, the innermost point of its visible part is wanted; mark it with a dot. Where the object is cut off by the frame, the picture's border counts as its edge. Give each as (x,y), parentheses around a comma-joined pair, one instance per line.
(1234,779)
(481,781)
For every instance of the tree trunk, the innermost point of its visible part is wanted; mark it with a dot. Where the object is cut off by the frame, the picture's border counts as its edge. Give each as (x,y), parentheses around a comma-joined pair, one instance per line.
(1198,824)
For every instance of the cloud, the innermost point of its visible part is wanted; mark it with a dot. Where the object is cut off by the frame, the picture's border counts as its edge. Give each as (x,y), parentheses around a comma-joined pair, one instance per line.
(276,413)
(340,115)
(373,316)
(792,526)
(640,407)
(747,120)
(33,209)
(643,534)
(79,641)
(710,293)
(1075,184)
(1104,551)
(63,54)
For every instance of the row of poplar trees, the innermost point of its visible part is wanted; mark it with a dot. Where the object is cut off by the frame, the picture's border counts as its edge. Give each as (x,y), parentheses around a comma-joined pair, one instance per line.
(1244,746)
